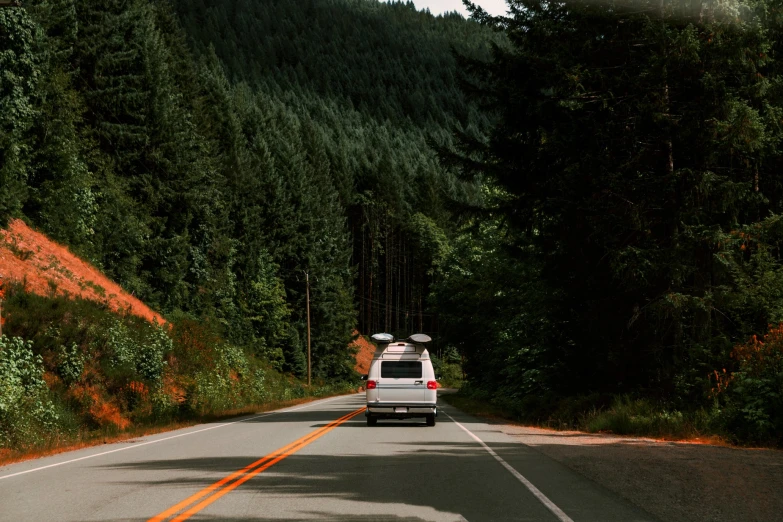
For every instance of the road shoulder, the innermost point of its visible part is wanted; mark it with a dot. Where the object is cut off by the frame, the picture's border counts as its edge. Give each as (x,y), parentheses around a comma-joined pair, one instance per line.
(674,481)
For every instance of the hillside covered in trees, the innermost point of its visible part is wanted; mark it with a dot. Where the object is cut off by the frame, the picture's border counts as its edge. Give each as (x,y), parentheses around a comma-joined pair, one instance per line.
(207,155)
(582,199)
(630,243)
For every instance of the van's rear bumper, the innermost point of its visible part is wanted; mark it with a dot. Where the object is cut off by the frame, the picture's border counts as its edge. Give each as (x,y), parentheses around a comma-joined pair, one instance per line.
(393,410)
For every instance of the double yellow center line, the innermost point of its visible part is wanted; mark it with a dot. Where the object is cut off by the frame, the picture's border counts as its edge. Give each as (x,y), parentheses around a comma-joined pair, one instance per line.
(236,479)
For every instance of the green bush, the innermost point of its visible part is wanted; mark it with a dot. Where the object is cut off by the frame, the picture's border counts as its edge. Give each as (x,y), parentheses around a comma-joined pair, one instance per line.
(138,354)
(749,401)
(448,367)
(27,412)
(257,386)
(70,363)
(229,383)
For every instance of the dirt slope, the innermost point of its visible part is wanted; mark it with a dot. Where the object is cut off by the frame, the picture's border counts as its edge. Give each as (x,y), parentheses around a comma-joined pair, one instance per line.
(44,267)
(364,355)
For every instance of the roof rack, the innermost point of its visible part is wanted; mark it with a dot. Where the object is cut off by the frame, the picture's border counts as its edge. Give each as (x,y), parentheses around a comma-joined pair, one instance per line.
(382,338)
(386,338)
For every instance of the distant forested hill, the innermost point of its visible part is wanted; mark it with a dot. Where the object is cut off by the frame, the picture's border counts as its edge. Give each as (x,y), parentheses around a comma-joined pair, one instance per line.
(386,60)
(380,83)
(206,155)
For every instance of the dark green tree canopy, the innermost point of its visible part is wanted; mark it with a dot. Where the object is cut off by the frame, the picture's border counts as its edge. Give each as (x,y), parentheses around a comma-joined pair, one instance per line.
(634,158)
(206,169)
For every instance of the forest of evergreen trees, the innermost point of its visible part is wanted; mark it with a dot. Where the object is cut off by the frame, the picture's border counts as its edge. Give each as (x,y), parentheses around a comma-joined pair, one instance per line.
(630,243)
(582,197)
(206,155)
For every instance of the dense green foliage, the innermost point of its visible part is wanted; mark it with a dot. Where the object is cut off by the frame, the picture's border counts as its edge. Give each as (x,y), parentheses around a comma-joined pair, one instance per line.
(206,170)
(386,61)
(599,228)
(635,179)
(84,371)
(379,83)
(26,410)
(448,367)
(20,64)
(751,397)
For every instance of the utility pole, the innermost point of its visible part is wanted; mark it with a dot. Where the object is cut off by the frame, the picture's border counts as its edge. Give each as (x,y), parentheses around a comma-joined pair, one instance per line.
(309,363)
(2,295)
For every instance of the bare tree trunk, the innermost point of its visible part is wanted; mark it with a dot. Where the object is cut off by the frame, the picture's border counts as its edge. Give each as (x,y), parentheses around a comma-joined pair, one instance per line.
(756,179)
(666,101)
(669,146)
(421,316)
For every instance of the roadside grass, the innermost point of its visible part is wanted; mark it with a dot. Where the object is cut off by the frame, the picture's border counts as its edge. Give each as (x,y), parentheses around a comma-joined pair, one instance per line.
(641,417)
(74,373)
(87,439)
(62,441)
(623,415)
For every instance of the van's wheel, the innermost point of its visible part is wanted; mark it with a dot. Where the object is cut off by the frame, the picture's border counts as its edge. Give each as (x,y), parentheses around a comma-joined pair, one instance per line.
(431,419)
(372,421)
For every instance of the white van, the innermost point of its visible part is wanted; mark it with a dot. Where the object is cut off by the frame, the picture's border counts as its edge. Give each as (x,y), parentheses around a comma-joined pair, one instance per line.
(401,383)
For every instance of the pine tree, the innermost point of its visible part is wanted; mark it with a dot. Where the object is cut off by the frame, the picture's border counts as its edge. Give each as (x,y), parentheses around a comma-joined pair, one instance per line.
(627,157)
(20,61)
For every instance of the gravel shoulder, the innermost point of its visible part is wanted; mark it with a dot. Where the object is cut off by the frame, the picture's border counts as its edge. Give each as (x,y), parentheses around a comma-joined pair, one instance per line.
(674,481)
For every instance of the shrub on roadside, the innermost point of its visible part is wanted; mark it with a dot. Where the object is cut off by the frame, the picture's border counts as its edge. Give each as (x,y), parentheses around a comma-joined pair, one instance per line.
(749,400)
(635,416)
(448,367)
(86,371)
(27,413)
(622,415)
(70,363)
(139,353)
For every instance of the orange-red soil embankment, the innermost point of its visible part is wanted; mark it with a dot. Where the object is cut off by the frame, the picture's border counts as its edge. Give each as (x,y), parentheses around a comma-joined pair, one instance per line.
(45,267)
(364,355)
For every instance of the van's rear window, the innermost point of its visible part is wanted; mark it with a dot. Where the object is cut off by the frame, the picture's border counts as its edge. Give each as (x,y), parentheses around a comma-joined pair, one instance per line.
(401,369)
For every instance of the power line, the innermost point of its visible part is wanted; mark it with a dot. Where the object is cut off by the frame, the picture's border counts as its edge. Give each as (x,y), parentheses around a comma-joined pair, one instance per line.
(405,310)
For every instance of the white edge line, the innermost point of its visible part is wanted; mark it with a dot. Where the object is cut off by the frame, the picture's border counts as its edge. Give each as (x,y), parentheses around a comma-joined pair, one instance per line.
(265,414)
(529,485)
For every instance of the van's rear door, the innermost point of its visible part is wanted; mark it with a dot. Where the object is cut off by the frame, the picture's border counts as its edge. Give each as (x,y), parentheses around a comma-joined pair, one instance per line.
(402,381)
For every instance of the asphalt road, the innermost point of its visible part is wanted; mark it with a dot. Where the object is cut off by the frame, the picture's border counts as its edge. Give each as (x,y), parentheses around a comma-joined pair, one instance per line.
(311,462)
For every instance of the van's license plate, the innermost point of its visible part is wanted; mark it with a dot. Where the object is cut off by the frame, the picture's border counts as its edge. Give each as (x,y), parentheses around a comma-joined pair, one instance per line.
(401,410)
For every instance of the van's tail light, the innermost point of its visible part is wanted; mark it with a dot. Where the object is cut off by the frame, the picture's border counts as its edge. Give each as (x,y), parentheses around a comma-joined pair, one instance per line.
(432,385)
(371,385)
